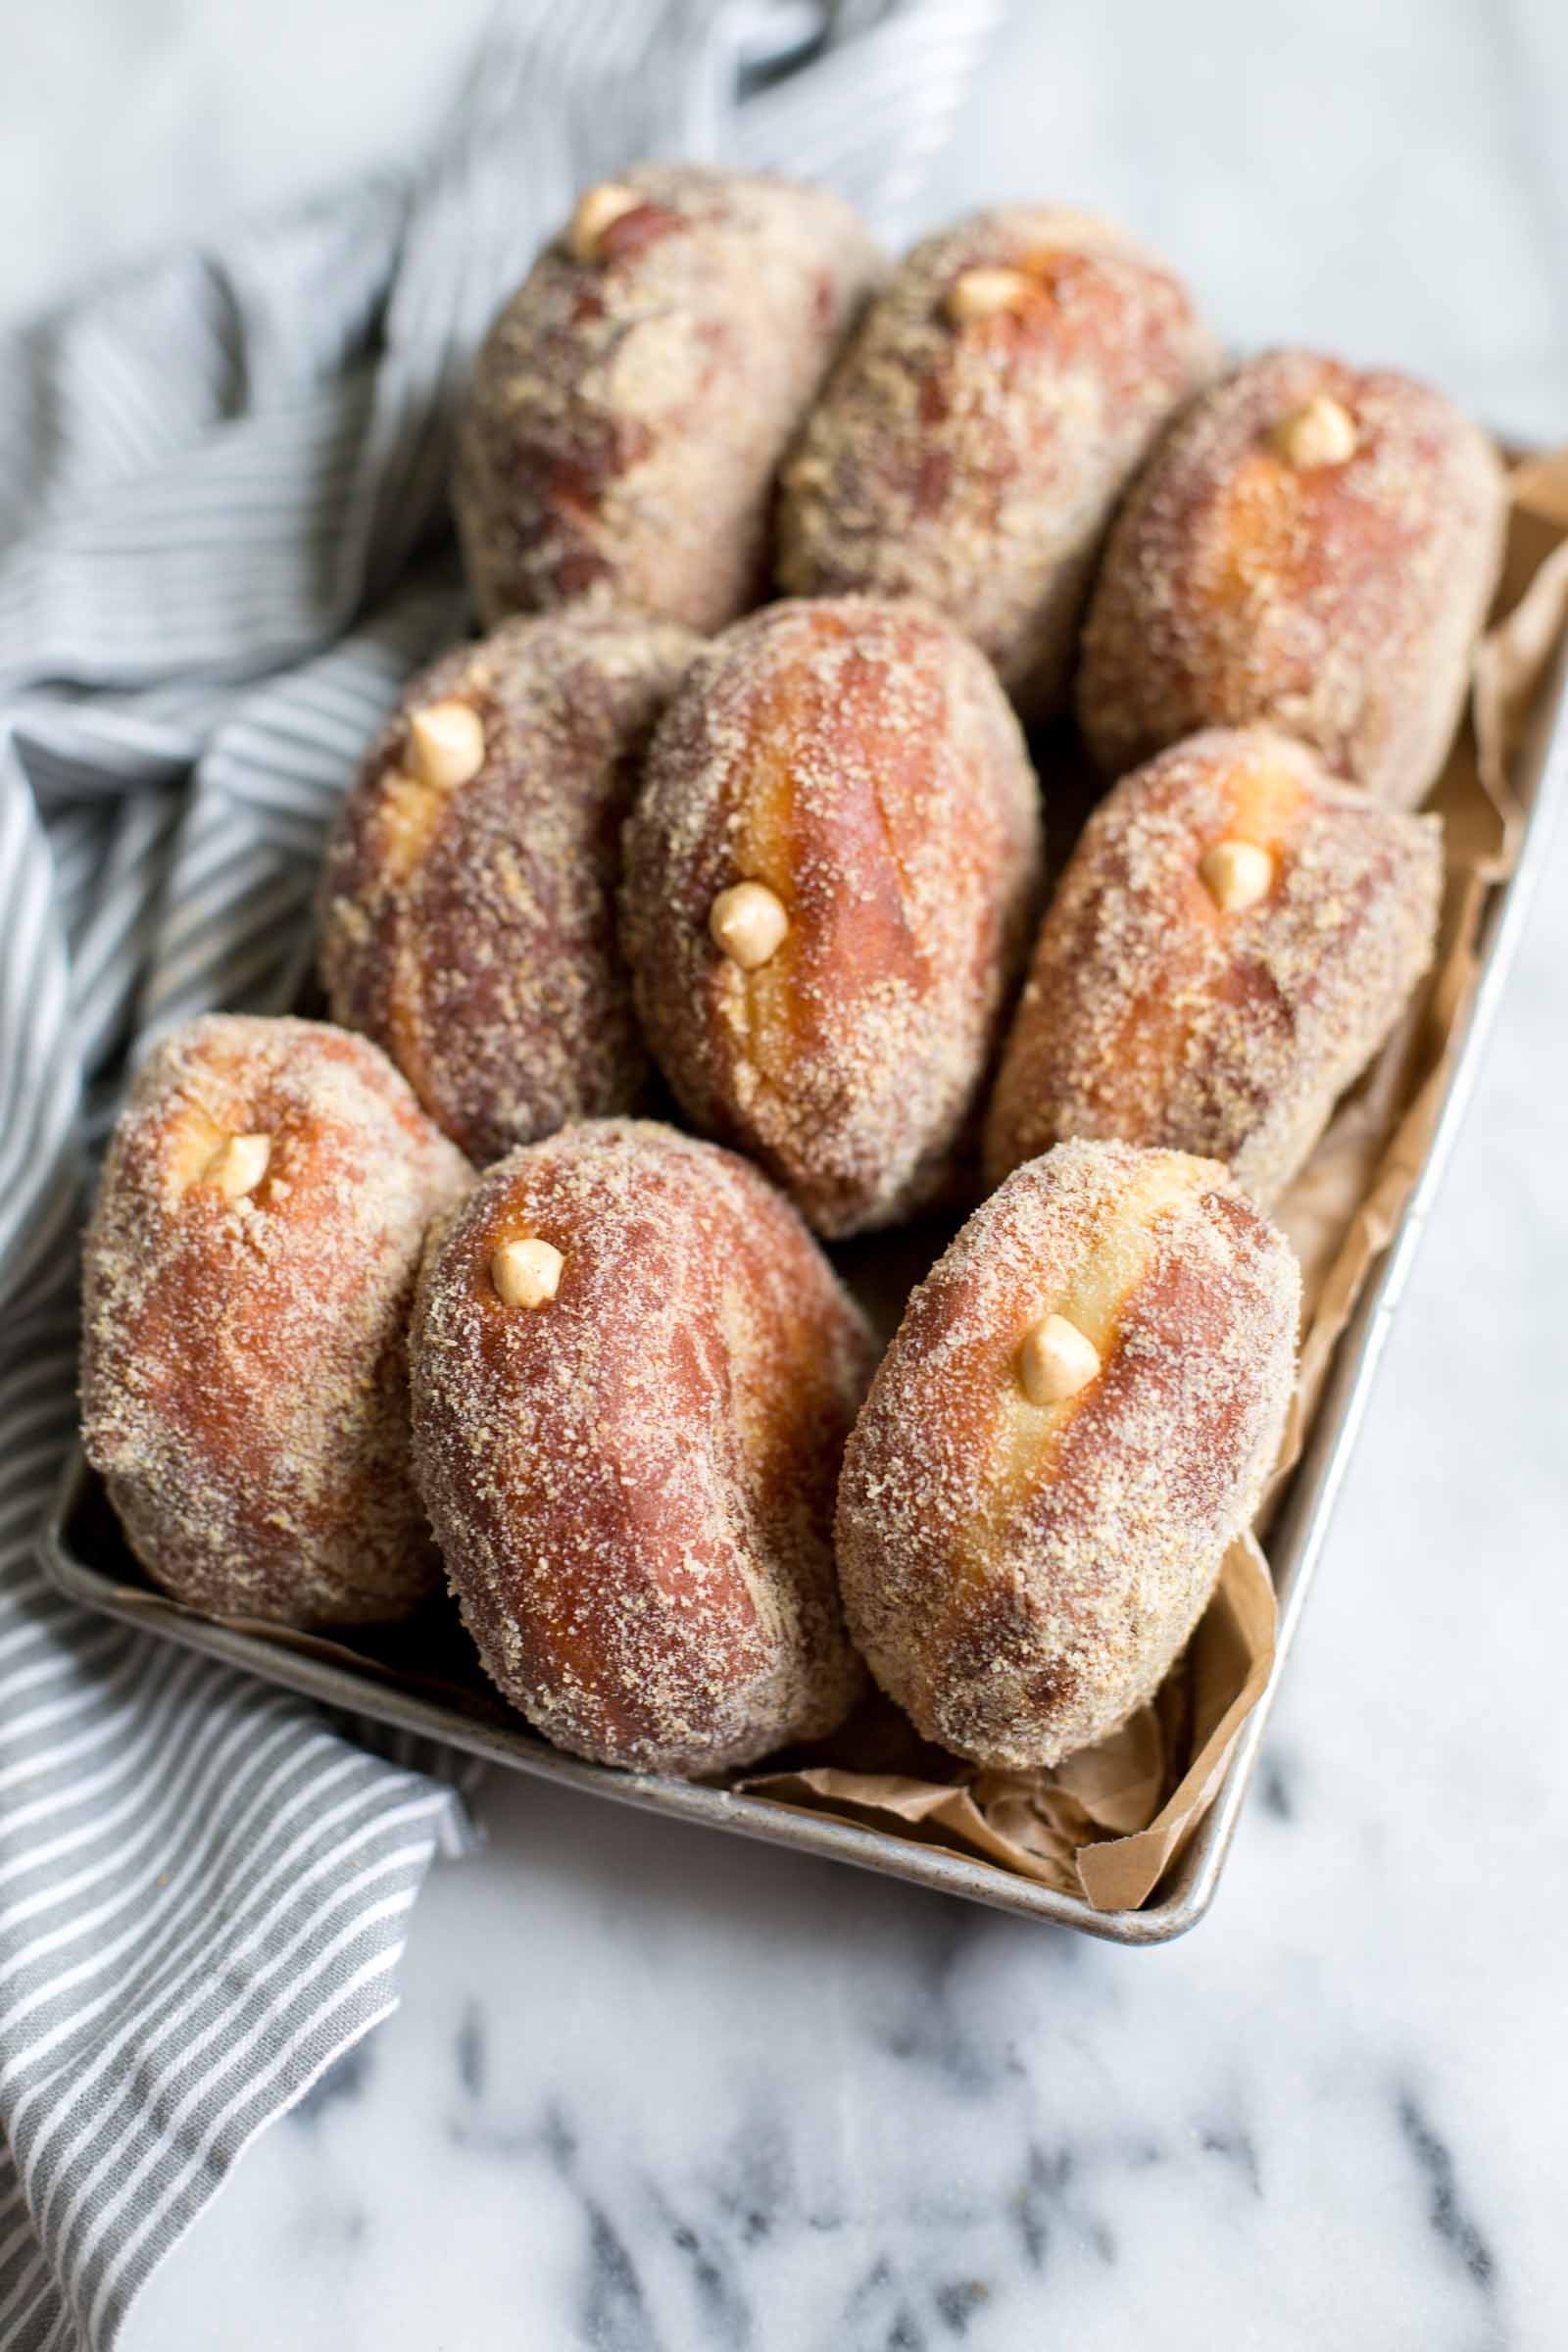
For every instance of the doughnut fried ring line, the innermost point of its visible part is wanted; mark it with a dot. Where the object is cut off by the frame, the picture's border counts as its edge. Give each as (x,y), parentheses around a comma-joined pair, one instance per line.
(1091,1295)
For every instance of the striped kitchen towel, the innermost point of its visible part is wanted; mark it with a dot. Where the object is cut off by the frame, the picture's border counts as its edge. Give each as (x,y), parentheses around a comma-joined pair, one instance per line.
(222,545)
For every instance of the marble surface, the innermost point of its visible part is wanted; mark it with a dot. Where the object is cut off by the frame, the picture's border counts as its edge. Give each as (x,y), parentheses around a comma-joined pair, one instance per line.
(654,2089)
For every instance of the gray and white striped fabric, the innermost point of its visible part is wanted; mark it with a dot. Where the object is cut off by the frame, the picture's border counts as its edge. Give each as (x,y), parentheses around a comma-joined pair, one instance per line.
(222,545)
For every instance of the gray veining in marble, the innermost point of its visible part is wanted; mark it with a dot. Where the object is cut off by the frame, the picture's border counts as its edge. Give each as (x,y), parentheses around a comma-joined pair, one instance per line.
(651,2089)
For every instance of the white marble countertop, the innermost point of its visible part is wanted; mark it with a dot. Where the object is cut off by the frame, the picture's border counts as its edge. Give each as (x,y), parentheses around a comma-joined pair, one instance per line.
(654,2089)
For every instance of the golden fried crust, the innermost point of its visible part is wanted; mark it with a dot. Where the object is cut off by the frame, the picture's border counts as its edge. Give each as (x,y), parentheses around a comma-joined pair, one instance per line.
(244,1378)
(1338,600)
(1021,1576)
(975,460)
(860,760)
(629,412)
(633,1481)
(1154,1015)
(470,929)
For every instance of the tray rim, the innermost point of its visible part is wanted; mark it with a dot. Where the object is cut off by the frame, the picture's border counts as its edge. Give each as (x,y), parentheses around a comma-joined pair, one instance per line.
(1295,1544)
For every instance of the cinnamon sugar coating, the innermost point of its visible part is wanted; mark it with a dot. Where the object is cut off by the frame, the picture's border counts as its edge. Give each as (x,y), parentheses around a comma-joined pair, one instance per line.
(977,434)
(1159,1015)
(633,1480)
(1019,1576)
(471,928)
(631,403)
(858,761)
(244,1377)
(1336,597)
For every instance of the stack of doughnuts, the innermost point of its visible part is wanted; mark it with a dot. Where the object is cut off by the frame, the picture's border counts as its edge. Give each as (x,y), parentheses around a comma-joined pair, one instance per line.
(442,1287)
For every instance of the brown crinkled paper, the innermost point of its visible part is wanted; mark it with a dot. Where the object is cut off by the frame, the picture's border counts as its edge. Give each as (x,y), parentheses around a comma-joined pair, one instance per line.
(1107,1823)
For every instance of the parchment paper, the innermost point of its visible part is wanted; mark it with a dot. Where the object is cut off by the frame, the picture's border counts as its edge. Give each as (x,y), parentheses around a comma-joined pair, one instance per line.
(1107,1823)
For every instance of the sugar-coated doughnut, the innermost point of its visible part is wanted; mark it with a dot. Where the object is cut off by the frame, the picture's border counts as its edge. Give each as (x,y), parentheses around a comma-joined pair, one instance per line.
(1073,1423)
(633,1373)
(247,1279)
(977,434)
(1311,547)
(632,402)
(1234,937)
(468,908)
(830,876)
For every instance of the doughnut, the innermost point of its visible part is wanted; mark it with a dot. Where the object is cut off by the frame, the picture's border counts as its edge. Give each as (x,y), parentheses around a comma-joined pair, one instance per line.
(1308,547)
(831,875)
(247,1277)
(633,1374)
(1234,937)
(630,404)
(468,907)
(1073,1423)
(977,434)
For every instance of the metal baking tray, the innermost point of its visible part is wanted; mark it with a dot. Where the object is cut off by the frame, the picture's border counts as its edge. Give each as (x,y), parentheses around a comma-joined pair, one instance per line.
(82,1526)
